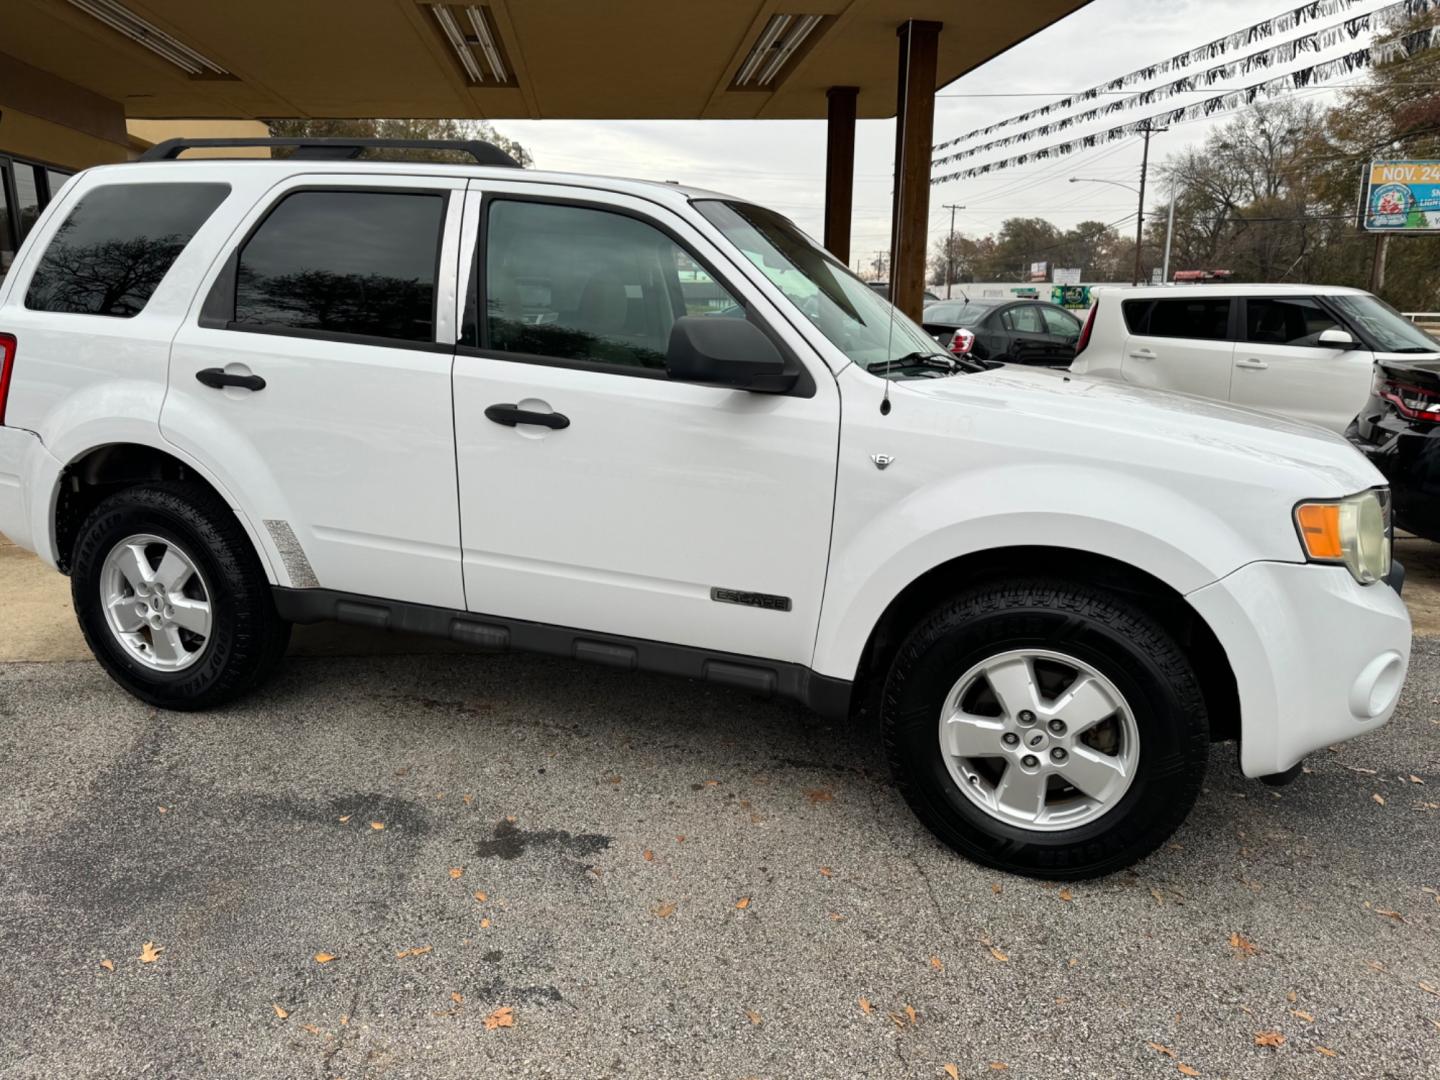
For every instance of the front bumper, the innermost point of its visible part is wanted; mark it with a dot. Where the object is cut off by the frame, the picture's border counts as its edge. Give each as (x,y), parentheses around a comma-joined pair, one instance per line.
(1409,457)
(1317,657)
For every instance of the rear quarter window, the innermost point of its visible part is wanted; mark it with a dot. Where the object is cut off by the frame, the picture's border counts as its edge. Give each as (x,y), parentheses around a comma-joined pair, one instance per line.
(116,246)
(1199,318)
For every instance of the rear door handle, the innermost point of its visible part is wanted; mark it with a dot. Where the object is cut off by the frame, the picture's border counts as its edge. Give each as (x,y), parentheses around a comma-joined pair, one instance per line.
(219,378)
(1252,364)
(1142,354)
(510,415)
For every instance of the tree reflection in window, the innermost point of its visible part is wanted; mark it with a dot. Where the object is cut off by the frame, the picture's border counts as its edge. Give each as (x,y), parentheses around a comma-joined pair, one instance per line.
(344,262)
(110,255)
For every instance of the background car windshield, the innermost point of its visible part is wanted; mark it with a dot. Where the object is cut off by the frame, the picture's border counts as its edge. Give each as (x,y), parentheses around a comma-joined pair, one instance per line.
(958,314)
(858,320)
(1390,330)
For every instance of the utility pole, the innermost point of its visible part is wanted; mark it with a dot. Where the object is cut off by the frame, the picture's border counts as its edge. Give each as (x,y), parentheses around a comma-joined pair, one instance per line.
(950,249)
(1147,131)
(1377,268)
(1169,233)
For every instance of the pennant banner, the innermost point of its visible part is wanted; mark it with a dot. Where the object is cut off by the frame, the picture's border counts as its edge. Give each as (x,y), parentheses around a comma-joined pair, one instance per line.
(1400,49)
(1286,52)
(1283,23)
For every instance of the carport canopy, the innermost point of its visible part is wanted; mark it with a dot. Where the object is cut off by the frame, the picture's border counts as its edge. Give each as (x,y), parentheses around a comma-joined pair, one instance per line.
(556,59)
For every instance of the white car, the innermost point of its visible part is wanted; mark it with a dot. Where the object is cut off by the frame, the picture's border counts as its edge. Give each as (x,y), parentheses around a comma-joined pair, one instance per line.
(470,401)
(1302,351)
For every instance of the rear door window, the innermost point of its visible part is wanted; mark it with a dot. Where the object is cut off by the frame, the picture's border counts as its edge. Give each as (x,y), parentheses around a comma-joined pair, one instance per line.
(344,263)
(1025,319)
(1061,323)
(115,247)
(1296,321)
(1196,318)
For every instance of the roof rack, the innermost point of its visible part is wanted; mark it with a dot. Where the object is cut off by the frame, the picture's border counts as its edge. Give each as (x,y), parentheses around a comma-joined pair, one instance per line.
(337,149)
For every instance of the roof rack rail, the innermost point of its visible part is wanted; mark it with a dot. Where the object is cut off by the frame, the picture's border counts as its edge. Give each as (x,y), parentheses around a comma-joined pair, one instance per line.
(337,149)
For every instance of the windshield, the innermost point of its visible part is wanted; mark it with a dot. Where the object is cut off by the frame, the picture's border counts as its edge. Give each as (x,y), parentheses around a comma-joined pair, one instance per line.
(1387,328)
(858,320)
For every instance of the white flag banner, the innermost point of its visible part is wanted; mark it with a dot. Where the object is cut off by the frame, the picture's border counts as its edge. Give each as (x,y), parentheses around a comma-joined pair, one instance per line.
(1228,101)
(1284,52)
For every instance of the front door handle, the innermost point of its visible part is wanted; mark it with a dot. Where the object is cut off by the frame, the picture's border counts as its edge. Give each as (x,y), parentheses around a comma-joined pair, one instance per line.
(219,378)
(1142,354)
(1252,364)
(510,415)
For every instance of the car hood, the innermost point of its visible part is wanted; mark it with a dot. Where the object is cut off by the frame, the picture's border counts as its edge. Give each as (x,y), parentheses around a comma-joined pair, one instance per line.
(1049,396)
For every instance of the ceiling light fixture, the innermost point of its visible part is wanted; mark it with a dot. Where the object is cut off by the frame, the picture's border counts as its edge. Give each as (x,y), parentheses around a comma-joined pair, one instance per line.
(477,46)
(451,29)
(787,46)
(481,23)
(773,30)
(124,21)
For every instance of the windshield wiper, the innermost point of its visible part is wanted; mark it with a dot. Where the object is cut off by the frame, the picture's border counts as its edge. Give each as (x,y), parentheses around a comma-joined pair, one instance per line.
(940,361)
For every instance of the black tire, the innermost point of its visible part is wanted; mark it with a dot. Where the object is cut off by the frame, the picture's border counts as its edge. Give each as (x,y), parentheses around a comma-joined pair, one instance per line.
(247,638)
(1116,638)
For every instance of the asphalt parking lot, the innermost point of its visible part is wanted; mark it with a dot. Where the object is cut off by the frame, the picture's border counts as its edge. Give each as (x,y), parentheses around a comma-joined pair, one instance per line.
(585,873)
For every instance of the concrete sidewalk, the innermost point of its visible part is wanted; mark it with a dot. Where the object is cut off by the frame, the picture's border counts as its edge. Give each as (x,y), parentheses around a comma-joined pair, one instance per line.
(37,622)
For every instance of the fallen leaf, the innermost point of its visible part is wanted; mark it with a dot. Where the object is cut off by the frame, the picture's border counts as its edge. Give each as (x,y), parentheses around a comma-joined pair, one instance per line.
(1186,1070)
(1377,797)
(997,888)
(711,783)
(999,1066)
(344,1021)
(825,871)
(664,911)
(936,964)
(479,896)
(1374,965)
(819,795)
(1269,1038)
(897,1020)
(614,779)
(1066,895)
(150,952)
(1243,945)
(324,957)
(456,872)
(457,997)
(998,955)
(501,1017)
(377,825)
(163,809)
(1292,997)
(1390,914)
(1429,988)
(1161,1049)
(510,818)
(281,1013)
(754,1017)
(951,1071)
(835,916)
(743,903)
(680,839)
(484,924)
(1358,769)
(1328,1052)
(1415,779)
(1307,1017)
(346,818)
(311,1028)
(912,1015)
(467,799)
(419,950)
(648,855)
(1159,897)
(866,1007)
(108,965)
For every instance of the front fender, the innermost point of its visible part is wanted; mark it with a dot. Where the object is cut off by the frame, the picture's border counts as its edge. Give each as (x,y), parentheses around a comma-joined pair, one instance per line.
(1153,528)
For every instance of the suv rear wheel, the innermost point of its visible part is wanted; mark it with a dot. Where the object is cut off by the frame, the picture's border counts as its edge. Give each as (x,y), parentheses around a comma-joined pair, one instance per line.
(1045,728)
(172,599)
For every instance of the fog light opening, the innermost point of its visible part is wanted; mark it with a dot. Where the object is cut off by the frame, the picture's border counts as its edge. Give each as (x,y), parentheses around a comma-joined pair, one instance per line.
(1378,686)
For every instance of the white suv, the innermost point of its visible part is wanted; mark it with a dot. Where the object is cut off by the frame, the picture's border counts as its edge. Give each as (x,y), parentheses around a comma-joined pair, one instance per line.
(1302,351)
(660,429)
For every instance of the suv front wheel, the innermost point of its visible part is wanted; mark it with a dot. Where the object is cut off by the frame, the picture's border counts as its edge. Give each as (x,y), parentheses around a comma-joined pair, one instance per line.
(172,599)
(1046,728)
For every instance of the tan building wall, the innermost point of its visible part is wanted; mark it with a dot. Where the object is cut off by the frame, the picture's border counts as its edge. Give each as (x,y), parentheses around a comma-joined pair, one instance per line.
(150,132)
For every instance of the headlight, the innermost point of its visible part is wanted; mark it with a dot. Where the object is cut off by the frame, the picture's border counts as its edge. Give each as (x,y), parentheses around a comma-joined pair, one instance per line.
(1354,531)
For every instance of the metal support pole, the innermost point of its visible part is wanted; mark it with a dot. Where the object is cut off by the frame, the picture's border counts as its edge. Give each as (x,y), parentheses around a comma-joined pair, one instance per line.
(1169,234)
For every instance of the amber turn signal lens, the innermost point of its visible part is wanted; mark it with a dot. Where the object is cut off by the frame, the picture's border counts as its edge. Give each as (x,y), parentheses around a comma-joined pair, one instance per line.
(1320,530)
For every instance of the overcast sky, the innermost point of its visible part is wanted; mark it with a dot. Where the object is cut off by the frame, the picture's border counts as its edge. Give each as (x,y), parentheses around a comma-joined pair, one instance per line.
(781,163)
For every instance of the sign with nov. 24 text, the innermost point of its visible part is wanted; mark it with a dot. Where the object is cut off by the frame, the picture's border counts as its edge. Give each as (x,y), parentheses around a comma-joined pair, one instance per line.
(1402,196)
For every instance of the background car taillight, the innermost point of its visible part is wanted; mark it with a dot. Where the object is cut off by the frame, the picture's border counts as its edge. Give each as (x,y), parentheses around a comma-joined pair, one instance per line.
(962,342)
(7,361)
(1410,401)
(1085,330)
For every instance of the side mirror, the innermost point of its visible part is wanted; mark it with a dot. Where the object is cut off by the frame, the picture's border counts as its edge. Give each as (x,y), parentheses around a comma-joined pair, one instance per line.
(726,352)
(1337,339)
